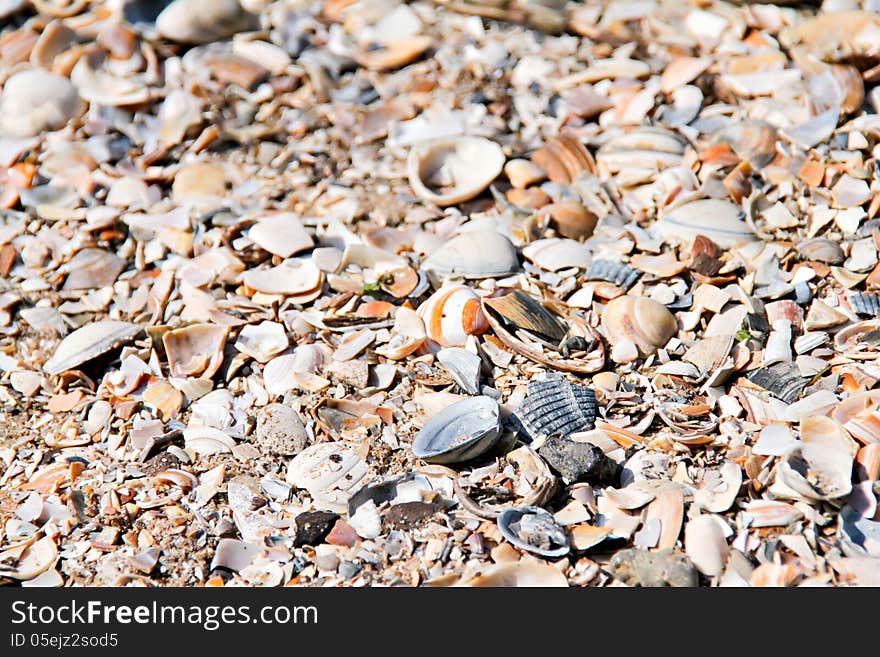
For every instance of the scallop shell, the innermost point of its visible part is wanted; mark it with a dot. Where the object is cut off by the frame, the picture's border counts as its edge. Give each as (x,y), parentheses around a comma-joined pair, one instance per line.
(521,574)
(555,406)
(719,220)
(460,432)
(533,529)
(474,254)
(195,350)
(564,158)
(816,471)
(330,472)
(644,322)
(612,272)
(88,342)
(455,169)
(452,314)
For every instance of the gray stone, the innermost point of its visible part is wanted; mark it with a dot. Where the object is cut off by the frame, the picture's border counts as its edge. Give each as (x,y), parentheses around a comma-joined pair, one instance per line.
(280,430)
(576,461)
(652,569)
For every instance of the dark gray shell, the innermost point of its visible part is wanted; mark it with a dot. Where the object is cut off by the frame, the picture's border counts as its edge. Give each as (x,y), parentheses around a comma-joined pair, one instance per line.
(782,379)
(612,272)
(555,406)
(865,303)
(460,432)
(533,529)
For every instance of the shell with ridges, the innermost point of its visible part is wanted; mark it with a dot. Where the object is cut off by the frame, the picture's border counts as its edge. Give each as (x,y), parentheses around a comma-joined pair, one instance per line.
(554,406)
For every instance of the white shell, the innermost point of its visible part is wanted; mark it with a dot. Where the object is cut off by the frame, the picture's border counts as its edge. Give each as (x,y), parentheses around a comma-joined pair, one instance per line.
(817,471)
(451,314)
(556,253)
(284,279)
(88,342)
(194,21)
(281,234)
(34,101)
(705,544)
(262,341)
(330,472)
(451,170)
(474,254)
(719,220)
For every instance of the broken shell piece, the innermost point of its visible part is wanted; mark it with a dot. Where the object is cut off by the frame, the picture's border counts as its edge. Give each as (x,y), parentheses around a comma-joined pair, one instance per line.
(719,220)
(390,55)
(407,334)
(330,472)
(450,315)
(449,171)
(36,559)
(460,432)
(705,544)
(571,219)
(474,254)
(533,529)
(463,366)
(859,341)
(564,158)
(719,488)
(817,472)
(524,312)
(520,574)
(612,272)
(88,342)
(262,341)
(554,254)
(195,350)
(554,406)
(860,416)
(753,141)
(639,321)
(281,234)
(770,513)
(284,279)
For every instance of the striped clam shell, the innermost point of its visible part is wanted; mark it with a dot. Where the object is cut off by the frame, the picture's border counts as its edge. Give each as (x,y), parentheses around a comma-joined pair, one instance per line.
(451,314)
(554,406)
(612,272)
(865,303)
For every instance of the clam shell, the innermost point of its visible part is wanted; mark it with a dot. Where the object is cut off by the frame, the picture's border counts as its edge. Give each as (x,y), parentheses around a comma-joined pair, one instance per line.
(644,322)
(460,432)
(474,254)
(721,221)
(555,406)
(520,574)
(193,21)
(195,350)
(34,101)
(564,158)
(555,253)
(816,471)
(407,334)
(533,529)
(450,315)
(330,472)
(284,279)
(451,170)
(88,342)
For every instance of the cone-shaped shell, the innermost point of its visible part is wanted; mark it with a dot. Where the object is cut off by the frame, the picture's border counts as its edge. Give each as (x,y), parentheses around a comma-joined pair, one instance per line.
(451,170)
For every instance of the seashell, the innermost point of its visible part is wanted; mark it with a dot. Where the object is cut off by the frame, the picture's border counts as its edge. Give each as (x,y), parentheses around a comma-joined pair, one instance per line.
(753,141)
(88,342)
(668,509)
(850,86)
(206,441)
(93,268)
(642,149)
(571,219)
(858,536)
(612,272)
(816,471)
(533,529)
(860,417)
(808,341)
(34,101)
(556,407)
(719,220)
(564,158)
(860,340)
(55,38)
(330,472)
(281,234)
(195,350)
(770,513)
(37,558)
(390,55)
(521,574)
(300,279)
(450,315)
(603,69)
(234,555)
(822,315)
(821,250)
(451,170)
(638,321)
(782,379)
(463,366)
(522,173)
(191,21)
(280,373)
(474,254)
(773,575)
(262,341)
(835,36)
(103,88)
(407,334)
(554,254)
(719,488)
(819,429)
(864,303)
(629,498)
(460,432)
(705,544)
(524,312)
